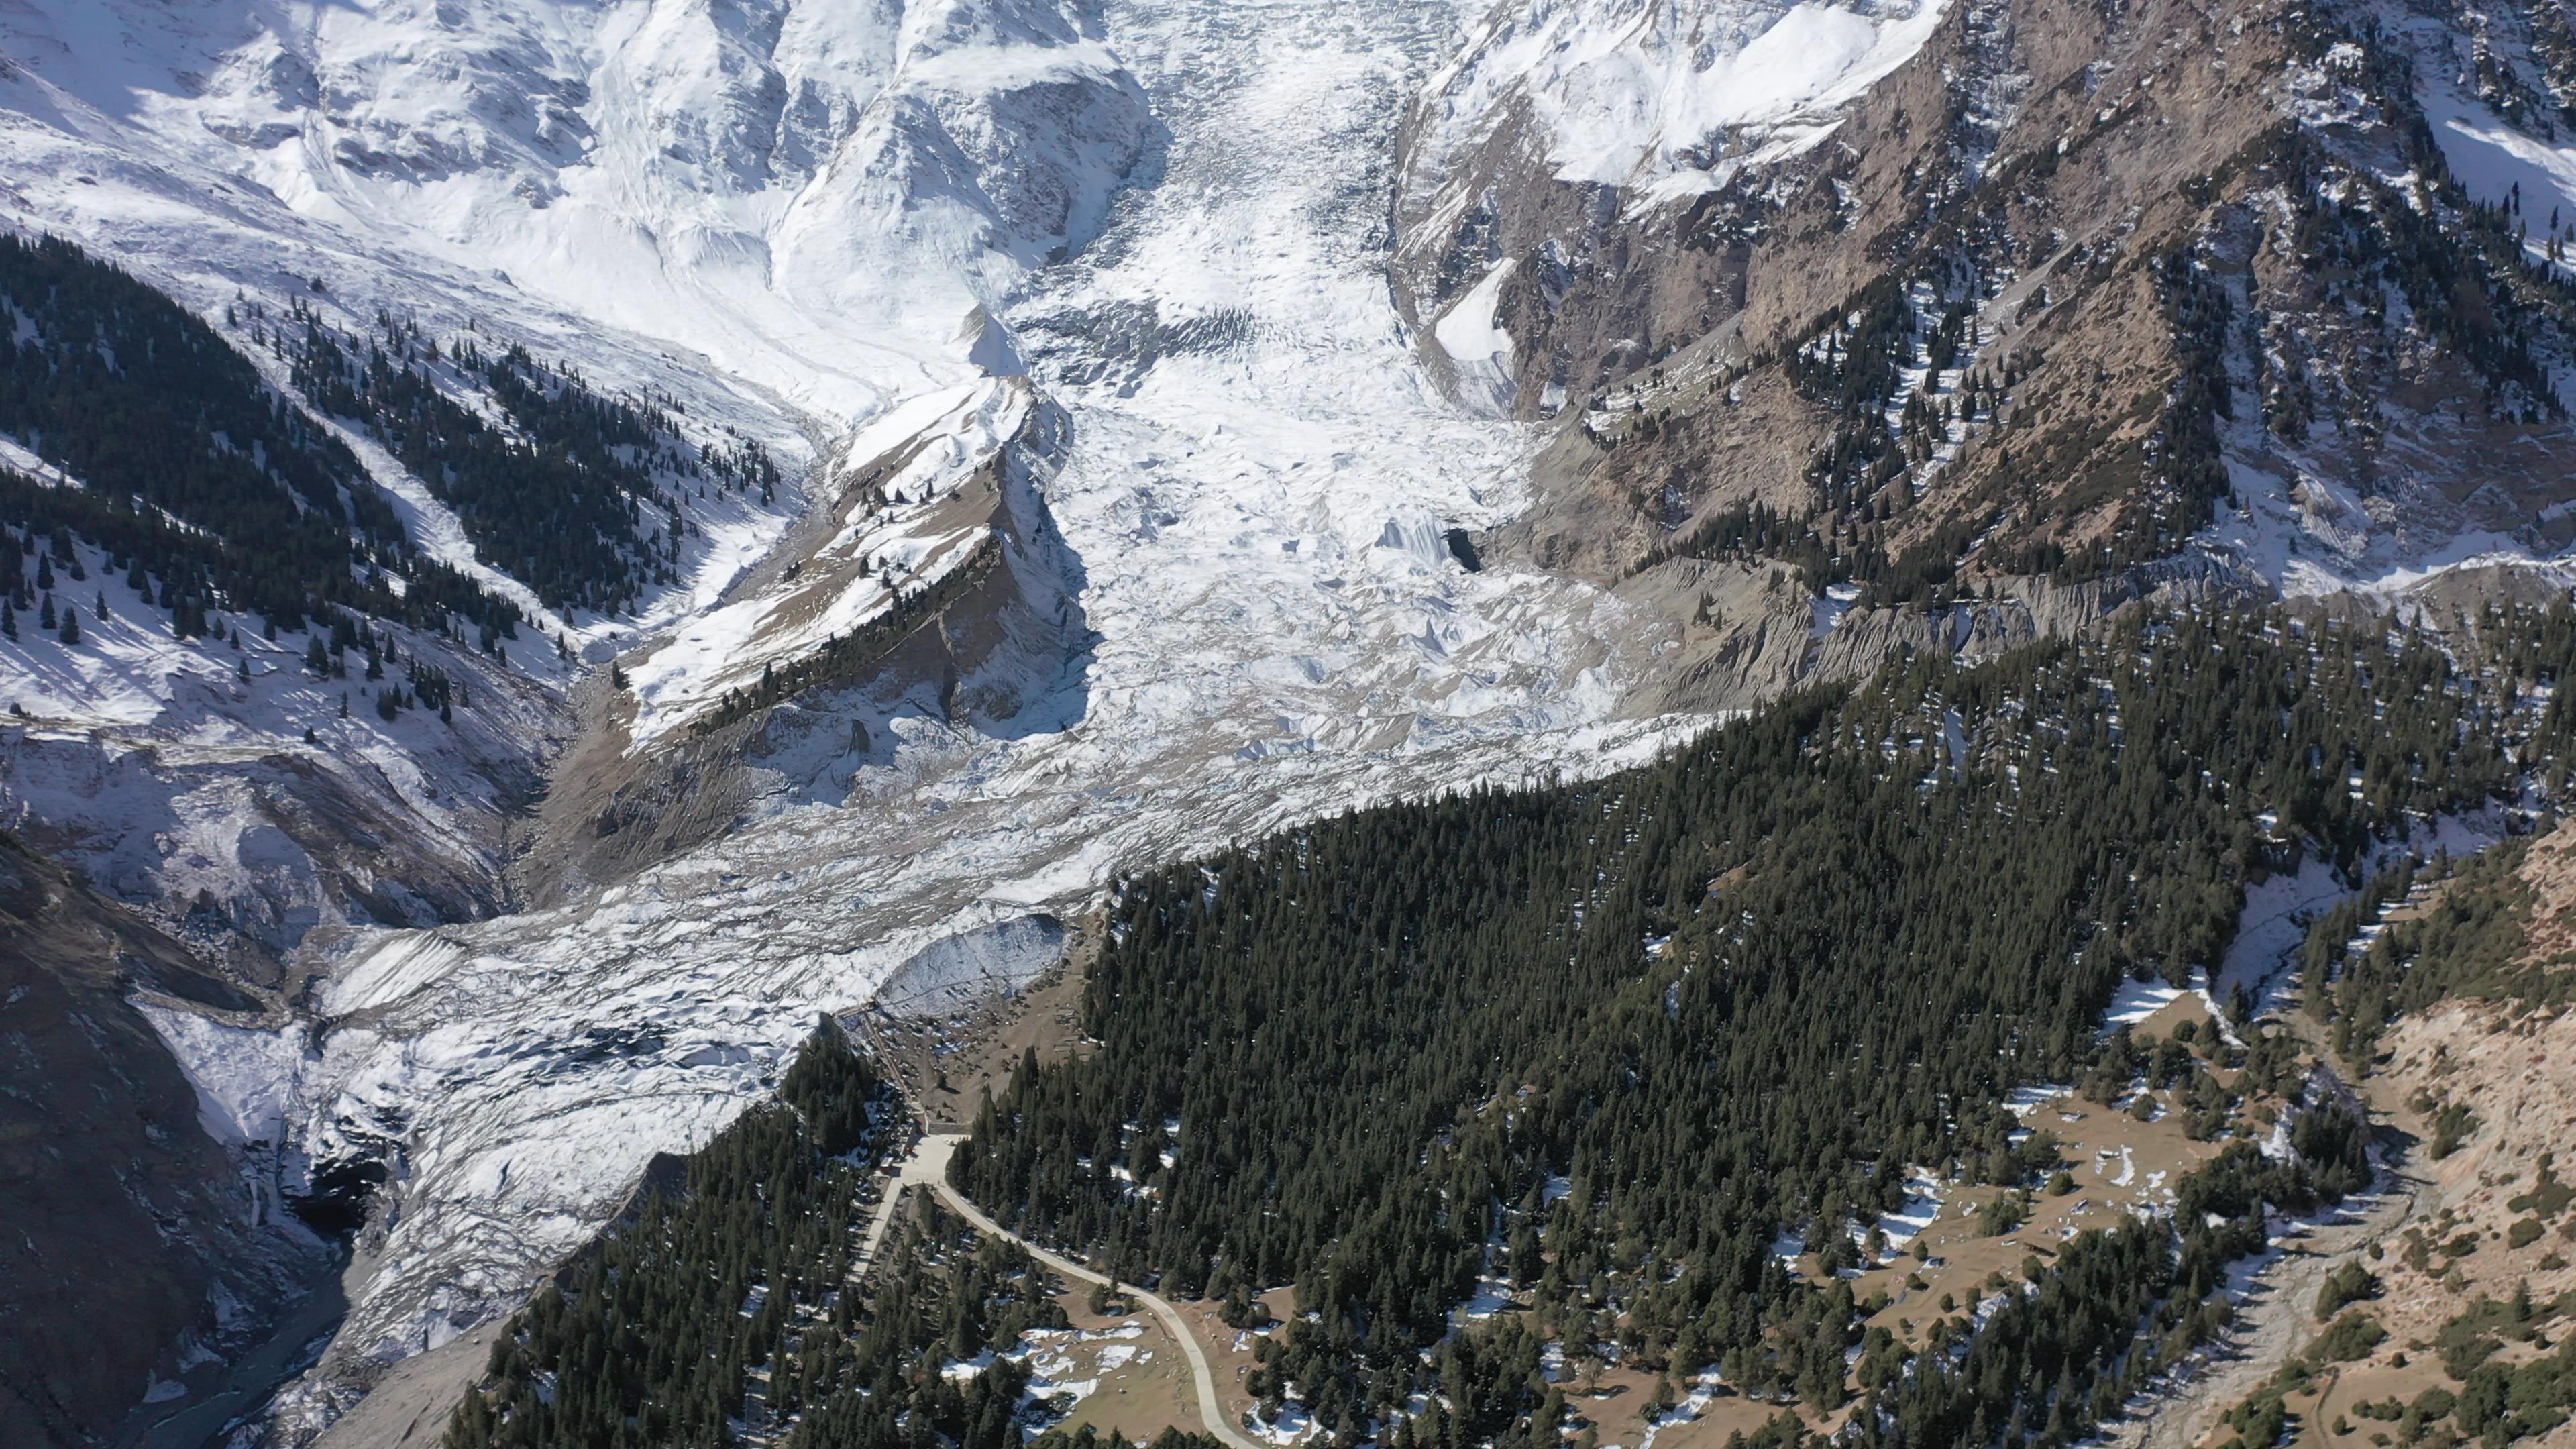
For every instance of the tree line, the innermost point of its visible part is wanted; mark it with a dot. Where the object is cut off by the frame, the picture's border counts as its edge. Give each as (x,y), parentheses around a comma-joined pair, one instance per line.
(582,495)
(1661,1019)
(728,1299)
(205,487)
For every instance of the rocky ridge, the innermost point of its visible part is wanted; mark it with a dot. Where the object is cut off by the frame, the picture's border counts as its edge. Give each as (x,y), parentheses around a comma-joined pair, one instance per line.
(2117,300)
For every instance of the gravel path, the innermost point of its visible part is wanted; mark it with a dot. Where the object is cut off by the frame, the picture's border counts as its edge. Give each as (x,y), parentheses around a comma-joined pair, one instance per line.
(927,1166)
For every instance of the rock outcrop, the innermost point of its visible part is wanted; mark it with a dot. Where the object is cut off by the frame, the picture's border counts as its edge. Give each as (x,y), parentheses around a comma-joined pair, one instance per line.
(119,1208)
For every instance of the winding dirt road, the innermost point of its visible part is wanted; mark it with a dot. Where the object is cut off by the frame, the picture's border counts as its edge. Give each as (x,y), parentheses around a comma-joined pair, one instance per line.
(927,1166)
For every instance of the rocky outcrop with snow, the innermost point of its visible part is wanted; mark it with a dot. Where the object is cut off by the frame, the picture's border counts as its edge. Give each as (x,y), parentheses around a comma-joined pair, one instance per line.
(1553,171)
(1665,97)
(1194,488)
(2138,217)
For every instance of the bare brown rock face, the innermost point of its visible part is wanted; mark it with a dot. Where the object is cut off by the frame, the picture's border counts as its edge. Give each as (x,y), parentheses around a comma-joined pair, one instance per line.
(2074,303)
(136,1252)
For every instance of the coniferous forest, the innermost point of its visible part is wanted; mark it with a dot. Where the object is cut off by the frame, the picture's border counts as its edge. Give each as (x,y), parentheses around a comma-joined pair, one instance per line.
(1621,1037)
(732,1298)
(1615,1043)
(204,484)
(211,492)
(582,495)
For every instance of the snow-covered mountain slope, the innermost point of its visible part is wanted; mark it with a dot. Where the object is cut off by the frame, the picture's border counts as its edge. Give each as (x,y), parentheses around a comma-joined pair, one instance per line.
(813,196)
(1082,321)
(890,240)
(1556,126)
(1665,96)
(227,779)
(2356,474)
(213,807)
(777,218)
(1253,480)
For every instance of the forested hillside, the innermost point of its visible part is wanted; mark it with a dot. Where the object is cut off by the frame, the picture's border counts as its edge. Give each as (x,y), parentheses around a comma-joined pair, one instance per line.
(741,1274)
(1615,1039)
(731,1306)
(582,495)
(207,489)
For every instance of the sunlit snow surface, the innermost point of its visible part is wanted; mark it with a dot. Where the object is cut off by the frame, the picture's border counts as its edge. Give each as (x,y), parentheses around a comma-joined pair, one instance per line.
(1256,497)
(1675,96)
(787,214)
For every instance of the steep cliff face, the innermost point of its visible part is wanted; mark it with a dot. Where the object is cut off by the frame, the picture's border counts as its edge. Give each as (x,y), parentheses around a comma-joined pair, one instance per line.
(1575,189)
(119,1206)
(2270,299)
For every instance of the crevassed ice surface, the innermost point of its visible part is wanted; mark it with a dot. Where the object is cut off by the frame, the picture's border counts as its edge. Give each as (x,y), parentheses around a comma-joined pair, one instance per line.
(1253,478)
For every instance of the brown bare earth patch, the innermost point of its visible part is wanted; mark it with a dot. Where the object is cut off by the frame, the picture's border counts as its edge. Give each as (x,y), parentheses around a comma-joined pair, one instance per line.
(2116,1164)
(1140,1397)
(1230,1350)
(2474,1226)
(2518,1073)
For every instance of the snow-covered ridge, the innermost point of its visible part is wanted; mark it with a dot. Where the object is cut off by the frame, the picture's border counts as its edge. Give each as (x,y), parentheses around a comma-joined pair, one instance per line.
(811,195)
(916,494)
(1672,96)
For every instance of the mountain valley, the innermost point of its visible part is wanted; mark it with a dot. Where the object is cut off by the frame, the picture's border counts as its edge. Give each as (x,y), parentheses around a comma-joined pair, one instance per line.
(559,543)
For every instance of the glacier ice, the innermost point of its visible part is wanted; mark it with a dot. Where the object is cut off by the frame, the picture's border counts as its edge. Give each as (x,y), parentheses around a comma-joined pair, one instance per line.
(828,227)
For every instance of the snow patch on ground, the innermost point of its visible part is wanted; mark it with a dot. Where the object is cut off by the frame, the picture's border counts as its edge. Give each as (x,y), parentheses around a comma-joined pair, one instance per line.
(2025,1100)
(2274,925)
(2136,1000)
(1925,1192)
(1478,347)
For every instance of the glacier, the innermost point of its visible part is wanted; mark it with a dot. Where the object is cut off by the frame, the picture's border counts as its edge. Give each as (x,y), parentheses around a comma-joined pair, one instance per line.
(1132,257)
